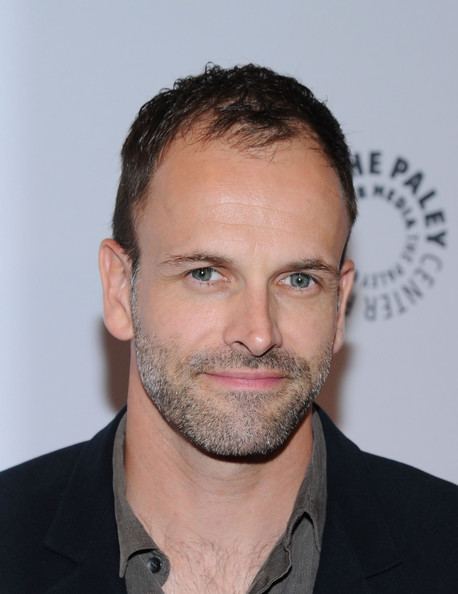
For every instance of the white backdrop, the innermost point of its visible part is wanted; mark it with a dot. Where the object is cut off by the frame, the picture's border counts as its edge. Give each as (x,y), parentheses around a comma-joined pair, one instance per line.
(73,75)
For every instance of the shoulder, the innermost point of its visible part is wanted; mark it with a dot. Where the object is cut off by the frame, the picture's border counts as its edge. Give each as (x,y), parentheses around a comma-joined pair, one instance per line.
(421,512)
(400,486)
(395,476)
(42,480)
(30,493)
(47,467)
(51,508)
(416,502)
(393,515)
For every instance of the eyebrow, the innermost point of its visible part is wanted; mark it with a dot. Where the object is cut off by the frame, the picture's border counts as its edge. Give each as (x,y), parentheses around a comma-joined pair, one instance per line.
(179,260)
(315,264)
(305,264)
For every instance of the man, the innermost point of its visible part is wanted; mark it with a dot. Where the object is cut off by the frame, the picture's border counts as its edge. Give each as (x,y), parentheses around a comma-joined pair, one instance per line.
(227,272)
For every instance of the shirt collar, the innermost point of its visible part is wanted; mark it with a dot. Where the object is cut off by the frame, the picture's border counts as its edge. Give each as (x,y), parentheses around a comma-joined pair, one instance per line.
(312,495)
(310,500)
(131,534)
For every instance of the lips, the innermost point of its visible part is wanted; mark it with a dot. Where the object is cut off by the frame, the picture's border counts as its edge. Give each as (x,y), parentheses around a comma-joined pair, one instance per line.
(251,379)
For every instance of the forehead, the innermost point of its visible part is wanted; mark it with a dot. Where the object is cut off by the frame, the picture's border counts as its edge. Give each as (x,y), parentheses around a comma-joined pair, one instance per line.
(286,196)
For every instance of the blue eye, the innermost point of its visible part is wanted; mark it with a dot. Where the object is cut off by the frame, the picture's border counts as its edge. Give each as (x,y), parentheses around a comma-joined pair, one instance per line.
(205,274)
(300,280)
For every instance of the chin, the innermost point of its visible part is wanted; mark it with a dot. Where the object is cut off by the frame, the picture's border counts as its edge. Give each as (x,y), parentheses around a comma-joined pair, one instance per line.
(246,430)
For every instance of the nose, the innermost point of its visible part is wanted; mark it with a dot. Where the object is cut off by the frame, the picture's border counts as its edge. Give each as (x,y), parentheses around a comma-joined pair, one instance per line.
(252,323)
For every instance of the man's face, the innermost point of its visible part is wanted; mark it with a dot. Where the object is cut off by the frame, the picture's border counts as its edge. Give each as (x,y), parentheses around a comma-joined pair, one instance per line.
(236,301)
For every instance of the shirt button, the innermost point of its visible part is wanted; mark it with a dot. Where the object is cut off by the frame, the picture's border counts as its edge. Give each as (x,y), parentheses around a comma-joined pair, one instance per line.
(155,564)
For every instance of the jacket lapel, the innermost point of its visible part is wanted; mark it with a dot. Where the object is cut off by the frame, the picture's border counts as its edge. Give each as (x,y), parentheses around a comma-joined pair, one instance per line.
(84,527)
(357,547)
(90,578)
(340,570)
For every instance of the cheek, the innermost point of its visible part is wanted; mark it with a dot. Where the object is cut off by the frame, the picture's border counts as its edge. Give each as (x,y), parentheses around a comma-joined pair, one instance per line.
(182,321)
(193,324)
(309,331)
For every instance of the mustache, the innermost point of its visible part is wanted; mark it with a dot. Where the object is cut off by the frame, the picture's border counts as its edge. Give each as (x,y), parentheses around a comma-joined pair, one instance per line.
(279,360)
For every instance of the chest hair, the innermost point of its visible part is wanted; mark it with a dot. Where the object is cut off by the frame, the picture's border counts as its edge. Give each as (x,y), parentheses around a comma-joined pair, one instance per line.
(198,567)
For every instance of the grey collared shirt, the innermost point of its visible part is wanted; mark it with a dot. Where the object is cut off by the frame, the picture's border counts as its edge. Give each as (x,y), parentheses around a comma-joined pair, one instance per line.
(291,566)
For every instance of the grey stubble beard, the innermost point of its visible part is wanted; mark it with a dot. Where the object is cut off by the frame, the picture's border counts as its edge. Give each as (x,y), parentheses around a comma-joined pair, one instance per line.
(237,424)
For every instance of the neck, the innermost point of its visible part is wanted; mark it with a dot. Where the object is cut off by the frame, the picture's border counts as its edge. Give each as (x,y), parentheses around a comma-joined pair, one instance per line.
(179,492)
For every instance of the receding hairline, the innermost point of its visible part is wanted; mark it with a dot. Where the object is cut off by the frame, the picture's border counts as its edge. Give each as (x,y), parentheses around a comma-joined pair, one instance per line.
(202,139)
(256,144)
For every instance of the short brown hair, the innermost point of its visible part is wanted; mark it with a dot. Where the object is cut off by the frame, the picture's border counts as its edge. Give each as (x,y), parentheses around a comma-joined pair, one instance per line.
(251,105)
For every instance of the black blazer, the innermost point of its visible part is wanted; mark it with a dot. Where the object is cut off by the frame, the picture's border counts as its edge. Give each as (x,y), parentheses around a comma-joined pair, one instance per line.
(389,528)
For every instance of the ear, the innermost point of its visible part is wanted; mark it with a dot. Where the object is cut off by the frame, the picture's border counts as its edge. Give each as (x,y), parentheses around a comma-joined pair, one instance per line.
(115,273)
(347,275)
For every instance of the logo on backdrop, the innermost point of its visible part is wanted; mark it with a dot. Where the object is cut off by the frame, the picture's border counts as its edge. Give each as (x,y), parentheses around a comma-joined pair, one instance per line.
(399,240)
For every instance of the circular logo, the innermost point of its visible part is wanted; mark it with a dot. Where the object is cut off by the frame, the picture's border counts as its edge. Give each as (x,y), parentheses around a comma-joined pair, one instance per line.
(399,238)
